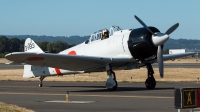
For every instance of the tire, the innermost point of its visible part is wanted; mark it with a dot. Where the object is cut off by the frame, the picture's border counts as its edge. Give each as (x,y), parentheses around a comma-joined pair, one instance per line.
(150,83)
(113,88)
(40,85)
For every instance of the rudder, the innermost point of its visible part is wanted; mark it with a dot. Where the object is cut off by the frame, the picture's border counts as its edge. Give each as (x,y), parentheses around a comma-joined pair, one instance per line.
(31,46)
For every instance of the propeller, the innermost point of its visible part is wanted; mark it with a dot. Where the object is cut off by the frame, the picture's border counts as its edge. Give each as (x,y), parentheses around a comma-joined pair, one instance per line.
(159,39)
(171,29)
(143,24)
(160,61)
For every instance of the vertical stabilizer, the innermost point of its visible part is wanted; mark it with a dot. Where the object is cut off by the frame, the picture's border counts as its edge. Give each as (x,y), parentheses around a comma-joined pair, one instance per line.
(31,46)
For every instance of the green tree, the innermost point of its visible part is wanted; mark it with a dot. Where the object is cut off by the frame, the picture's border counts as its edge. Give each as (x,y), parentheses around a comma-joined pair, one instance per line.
(49,48)
(21,48)
(14,45)
(58,46)
(43,45)
(4,44)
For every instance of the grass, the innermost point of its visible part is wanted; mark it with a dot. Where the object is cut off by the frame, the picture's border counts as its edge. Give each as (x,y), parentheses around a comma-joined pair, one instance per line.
(12,108)
(3,60)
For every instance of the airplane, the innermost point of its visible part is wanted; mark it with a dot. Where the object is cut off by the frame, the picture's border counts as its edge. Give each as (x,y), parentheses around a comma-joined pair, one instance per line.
(124,50)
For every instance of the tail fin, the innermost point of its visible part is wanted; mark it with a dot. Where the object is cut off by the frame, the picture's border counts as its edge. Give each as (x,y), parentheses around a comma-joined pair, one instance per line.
(31,46)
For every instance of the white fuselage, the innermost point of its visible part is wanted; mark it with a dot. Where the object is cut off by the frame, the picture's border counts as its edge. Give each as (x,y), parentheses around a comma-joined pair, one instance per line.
(114,47)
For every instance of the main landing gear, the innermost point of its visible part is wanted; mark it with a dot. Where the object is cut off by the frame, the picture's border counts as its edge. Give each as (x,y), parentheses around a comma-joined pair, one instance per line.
(150,81)
(41,79)
(111,83)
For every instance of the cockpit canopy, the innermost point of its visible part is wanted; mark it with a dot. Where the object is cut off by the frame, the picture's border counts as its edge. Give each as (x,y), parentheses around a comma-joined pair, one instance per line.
(98,34)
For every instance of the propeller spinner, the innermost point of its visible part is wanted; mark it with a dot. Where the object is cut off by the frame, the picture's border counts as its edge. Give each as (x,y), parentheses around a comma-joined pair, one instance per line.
(159,39)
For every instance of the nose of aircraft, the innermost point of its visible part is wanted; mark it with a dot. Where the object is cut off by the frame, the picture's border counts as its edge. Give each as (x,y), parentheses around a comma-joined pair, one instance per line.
(159,38)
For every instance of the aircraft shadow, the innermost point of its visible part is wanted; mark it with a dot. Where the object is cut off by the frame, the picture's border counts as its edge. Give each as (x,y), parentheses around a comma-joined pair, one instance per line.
(78,86)
(123,89)
(103,89)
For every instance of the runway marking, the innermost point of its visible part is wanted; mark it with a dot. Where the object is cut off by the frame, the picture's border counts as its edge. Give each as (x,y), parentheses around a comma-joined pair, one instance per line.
(111,96)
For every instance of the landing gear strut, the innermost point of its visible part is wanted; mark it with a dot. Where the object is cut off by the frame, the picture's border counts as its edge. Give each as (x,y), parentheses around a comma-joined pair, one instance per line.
(111,83)
(41,79)
(150,81)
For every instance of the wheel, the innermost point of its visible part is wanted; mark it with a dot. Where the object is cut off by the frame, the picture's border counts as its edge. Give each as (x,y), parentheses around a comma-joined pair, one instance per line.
(150,83)
(111,84)
(114,87)
(40,85)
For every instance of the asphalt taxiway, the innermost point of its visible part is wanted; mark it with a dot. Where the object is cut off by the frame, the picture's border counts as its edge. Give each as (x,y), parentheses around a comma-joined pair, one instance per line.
(4,66)
(91,96)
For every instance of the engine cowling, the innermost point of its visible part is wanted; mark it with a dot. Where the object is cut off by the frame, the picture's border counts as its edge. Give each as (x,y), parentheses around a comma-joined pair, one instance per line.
(140,44)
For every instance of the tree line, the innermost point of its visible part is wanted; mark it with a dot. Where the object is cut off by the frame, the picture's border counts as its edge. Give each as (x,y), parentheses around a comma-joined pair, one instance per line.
(8,45)
(42,38)
(182,44)
(170,44)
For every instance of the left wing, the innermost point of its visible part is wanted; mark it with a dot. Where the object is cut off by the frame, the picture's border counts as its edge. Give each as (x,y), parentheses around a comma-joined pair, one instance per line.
(61,61)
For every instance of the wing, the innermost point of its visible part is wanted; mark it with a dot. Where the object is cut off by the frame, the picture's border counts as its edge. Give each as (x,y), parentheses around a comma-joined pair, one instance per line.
(173,56)
(68,62)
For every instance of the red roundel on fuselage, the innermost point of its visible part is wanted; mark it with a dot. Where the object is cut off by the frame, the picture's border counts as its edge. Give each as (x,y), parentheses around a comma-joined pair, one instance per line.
(72,53)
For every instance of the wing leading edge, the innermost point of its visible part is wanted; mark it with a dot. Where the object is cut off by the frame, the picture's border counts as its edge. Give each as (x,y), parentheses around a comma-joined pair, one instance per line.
(68,62)
(173,56)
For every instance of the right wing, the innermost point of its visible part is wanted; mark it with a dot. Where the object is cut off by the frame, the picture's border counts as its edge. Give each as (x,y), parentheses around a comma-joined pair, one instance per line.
(173,56)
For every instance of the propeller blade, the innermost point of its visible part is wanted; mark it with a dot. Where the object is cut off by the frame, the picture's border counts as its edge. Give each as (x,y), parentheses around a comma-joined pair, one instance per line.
(143,24)
(171,29)
(160,61)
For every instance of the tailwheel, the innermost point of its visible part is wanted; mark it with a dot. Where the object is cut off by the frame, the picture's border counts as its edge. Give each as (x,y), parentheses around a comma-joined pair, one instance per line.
(41,79)
(150,83)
